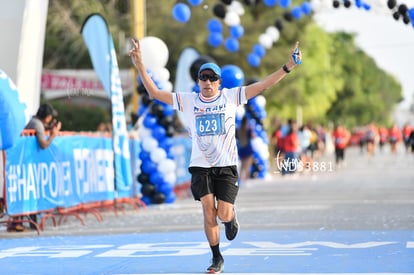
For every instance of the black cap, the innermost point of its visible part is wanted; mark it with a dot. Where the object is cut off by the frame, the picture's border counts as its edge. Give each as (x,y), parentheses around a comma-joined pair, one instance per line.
(45,110)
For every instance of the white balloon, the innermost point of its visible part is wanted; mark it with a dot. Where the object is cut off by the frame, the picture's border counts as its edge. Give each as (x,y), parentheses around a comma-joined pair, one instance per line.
(171,178)
(261,100)
(167,86)
(144,132)
(167,166)
(260,147)
(232,18)
(273,32)
(240,111)
(237,7)
(158,154)
(321,5)
(161,74)
(149,144)
(154,52)
(265,40)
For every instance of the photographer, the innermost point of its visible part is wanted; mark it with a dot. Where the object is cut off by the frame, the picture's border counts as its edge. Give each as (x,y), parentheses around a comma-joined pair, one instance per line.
(43,121)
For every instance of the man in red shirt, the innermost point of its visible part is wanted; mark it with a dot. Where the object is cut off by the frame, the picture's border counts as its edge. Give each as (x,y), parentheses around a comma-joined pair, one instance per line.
(395,137)
(341,137)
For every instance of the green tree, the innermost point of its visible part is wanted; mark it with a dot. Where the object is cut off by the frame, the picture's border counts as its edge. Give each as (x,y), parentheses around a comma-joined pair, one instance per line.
(368,94)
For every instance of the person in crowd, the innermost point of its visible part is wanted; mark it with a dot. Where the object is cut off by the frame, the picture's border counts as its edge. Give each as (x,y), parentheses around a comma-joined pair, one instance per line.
(276,139)
(406,132)
(42,123)
(291,148)
(244,137)
(277,144)
(395,137)
(315,142)
(305,136)
(341,138)
(210,116)
(411,141)
(371,138)
(101,128)
(45,121)
(362,140)
(383,137)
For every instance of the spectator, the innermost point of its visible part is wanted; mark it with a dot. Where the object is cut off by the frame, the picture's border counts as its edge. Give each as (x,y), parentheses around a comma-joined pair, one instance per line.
(42,122)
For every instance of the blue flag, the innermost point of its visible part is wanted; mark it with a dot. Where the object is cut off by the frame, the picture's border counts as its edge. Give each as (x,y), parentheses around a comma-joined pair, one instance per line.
(101,48)
(12,112)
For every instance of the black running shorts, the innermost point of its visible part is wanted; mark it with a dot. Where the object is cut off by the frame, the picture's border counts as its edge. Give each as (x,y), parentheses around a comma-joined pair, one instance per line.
(221,181)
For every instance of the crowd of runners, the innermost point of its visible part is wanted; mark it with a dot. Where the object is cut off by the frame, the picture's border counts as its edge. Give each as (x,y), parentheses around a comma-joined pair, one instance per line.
(300,147)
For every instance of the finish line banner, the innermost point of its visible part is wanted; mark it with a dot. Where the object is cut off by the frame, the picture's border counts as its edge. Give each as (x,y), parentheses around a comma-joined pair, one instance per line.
(73,170)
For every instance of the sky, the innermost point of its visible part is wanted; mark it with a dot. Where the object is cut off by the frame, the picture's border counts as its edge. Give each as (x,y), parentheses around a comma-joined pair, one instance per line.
(389,42)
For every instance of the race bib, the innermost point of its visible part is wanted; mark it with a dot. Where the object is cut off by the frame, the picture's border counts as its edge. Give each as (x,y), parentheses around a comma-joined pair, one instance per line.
(210,124)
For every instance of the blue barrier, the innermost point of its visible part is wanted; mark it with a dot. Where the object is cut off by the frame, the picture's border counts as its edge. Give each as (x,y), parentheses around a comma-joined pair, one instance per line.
(73,170)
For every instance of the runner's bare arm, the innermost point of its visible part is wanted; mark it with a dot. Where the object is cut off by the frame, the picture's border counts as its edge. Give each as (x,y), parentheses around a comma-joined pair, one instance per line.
(256,88)
(152,89)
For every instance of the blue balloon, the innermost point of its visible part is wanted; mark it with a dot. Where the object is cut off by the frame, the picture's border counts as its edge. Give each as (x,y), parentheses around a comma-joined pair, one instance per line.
(296,12)
(285,3)
(144,155)
(146,200)
(270,3)
(253,59)
(259,50)
(236,31)
(411,14)
(142,109)
(12,112)
(196,88)
(149,167)
(181,12)
(156,178)
(165,188)
(168,110)
(149,121)
(232,44)
(215,39)
(232,76)
(214,25)
(306,8)
(166,144)
(195,2)
(170,198)
(158,132)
